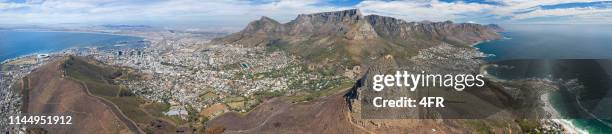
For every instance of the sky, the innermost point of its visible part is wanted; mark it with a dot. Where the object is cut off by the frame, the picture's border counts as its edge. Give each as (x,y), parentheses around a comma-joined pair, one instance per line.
(237,13)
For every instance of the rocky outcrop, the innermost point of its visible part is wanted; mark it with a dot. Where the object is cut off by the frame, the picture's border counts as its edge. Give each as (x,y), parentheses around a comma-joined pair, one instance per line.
(257,32)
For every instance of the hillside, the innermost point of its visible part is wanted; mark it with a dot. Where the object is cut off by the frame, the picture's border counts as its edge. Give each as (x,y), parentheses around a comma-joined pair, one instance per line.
(350,37)
(48,91)
(100,81)
(87,89)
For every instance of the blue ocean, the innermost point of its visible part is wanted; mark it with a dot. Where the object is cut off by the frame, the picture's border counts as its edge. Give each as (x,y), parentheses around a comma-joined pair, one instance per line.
(551,42)
(14,44)
(562,52)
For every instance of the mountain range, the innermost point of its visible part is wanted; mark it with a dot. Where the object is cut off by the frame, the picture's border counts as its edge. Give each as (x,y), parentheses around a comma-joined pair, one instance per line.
(352,38)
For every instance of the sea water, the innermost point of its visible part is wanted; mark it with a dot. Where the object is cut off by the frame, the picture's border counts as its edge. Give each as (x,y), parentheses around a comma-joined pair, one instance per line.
(580,52)
(551,42)
(14,43)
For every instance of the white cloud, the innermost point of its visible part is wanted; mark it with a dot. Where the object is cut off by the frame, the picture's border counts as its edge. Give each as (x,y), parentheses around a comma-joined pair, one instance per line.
(507,11)
(239,12)
(92,11)
(430,10)
(8,6)
(569,16)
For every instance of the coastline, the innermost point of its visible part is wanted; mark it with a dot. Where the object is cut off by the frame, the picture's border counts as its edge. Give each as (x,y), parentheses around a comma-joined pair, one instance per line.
(49,53)
(477,43)
(555,117)
(483,71)
(33,55)
(60,50)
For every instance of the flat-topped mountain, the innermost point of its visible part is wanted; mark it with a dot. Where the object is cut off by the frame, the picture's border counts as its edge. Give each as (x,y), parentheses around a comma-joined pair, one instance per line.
(350,37)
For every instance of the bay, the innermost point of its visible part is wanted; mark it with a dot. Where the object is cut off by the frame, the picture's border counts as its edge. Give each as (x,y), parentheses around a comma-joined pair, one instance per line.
(14,43)
(581,52)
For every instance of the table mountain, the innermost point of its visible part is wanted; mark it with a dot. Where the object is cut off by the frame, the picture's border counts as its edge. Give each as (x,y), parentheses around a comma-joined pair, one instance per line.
(350,37)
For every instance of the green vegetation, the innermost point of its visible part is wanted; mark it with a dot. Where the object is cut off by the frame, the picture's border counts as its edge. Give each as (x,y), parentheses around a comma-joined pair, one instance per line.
(25,91)
(230,66)
(194,115)
(17,86)
(209,95)
(176,119)
(156,109)
(99,80)
(233,99)
(130,107)
(529,126)
(326,56)
(235,102)
(129,74)
(309,95)
(174,65)
(479,126)
(262,95)
(3,67)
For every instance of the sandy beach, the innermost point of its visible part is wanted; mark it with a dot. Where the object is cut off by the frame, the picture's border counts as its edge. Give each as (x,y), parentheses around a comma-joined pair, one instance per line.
(567,125)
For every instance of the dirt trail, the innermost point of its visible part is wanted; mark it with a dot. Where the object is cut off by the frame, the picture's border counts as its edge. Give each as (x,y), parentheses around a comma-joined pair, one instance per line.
(130,123)
(50,93)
